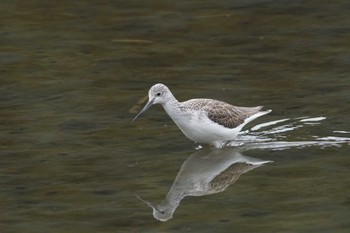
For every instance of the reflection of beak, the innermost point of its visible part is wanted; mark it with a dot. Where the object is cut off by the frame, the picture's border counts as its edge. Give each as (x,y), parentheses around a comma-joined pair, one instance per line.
(147,106)
(147,202)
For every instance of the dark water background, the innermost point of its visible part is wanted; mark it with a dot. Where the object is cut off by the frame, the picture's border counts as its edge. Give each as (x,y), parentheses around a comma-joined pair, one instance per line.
(72,71)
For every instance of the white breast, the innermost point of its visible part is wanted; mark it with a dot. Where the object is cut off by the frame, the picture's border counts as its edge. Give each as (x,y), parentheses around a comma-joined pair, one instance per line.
(198,127)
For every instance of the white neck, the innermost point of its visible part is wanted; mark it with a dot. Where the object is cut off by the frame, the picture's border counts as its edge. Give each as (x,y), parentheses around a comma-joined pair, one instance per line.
(172,106)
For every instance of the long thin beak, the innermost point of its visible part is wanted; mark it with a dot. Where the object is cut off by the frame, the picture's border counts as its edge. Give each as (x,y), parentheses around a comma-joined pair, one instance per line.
(147,106)
(146,202)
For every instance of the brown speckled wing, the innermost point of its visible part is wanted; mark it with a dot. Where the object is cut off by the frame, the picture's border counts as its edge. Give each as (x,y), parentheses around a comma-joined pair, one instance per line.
(223,113)
(230,175)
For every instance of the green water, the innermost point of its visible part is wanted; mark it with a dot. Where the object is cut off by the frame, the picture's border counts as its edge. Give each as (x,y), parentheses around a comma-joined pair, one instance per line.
(71,75)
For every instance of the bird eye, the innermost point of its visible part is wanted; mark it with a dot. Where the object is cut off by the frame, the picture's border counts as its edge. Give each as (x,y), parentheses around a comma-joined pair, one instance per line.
(158,94)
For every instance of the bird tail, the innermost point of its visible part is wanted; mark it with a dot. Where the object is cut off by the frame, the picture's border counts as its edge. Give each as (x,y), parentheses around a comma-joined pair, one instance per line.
(256,115)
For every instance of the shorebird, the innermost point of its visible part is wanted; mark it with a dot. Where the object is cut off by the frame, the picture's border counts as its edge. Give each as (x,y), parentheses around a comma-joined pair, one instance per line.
(205,121)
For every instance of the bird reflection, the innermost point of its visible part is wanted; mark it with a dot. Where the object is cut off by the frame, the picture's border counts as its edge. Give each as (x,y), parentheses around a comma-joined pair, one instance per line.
(204,172)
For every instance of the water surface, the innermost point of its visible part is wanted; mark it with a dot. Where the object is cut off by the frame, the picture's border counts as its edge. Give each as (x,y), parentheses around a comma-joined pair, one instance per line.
(72,73)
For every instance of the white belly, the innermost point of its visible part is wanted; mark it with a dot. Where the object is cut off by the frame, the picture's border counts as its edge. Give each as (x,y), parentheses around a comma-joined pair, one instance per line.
(199,128)
(206,131)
